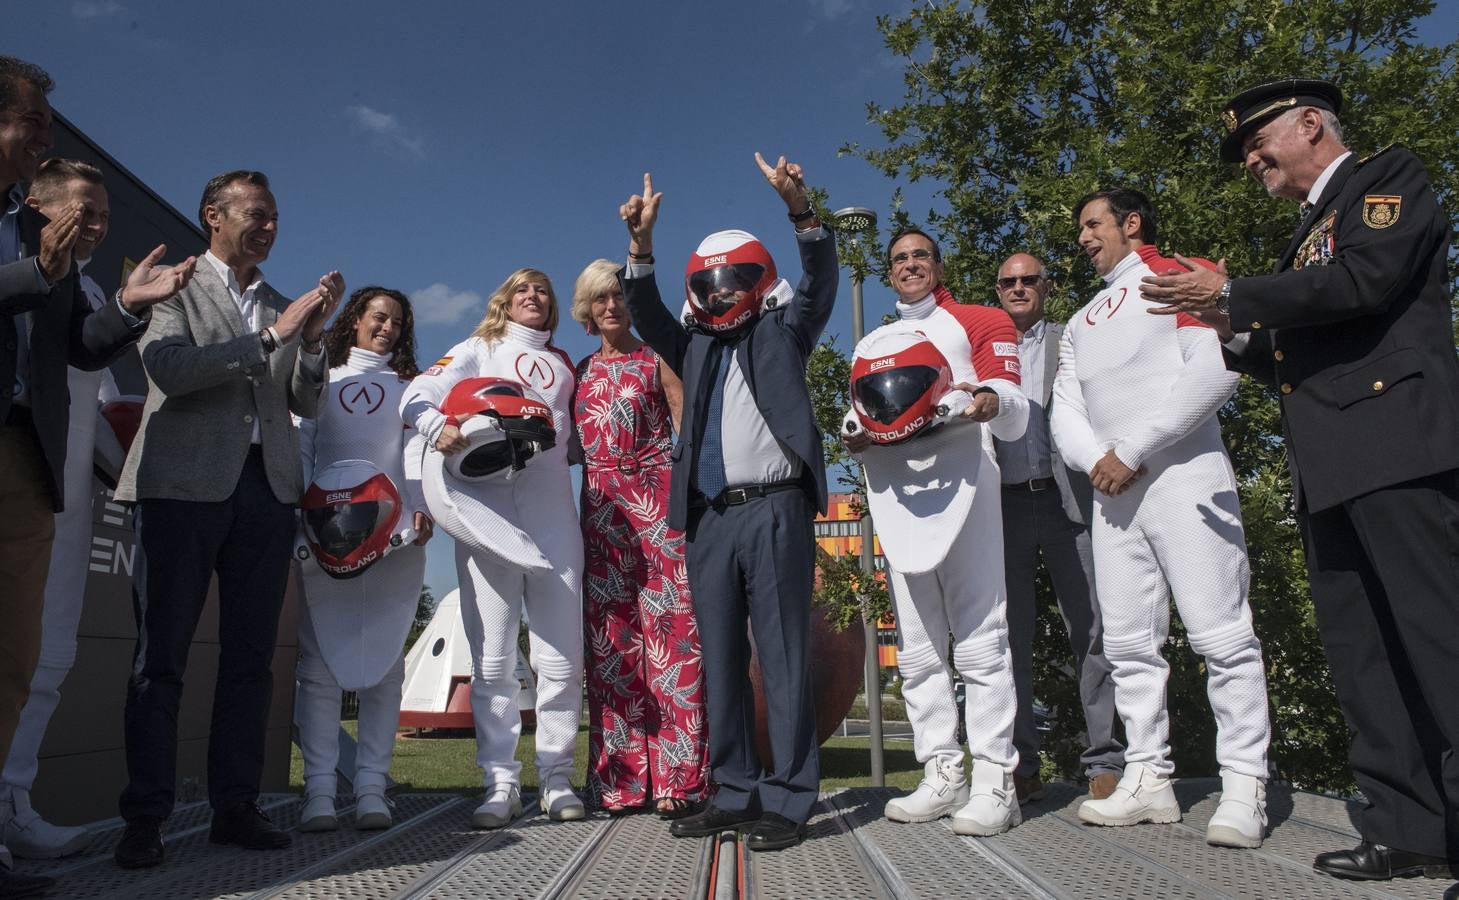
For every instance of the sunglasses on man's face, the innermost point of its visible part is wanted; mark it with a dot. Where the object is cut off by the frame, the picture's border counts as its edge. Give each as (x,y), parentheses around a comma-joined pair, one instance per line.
(918,254)
(1009,281)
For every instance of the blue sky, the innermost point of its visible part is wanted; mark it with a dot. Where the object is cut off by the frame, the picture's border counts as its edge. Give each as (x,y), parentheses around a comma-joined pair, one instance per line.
(435,147)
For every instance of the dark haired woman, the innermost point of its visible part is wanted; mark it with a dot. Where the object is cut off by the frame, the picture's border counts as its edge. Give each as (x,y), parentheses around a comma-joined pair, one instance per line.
(351,630)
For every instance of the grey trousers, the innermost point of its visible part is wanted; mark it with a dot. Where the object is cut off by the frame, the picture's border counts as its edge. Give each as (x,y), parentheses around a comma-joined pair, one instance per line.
(1034,522)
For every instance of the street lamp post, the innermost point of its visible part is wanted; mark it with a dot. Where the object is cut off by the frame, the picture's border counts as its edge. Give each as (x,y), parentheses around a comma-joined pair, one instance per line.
(854,220)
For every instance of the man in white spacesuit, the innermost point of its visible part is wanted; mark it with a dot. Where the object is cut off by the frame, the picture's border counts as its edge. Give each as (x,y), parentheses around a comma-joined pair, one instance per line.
(57,184)
(1135,406)
(936,500)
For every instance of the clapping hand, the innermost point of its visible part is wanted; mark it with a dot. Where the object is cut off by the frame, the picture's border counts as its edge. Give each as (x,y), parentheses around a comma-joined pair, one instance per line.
(331,290)
(639,213)
(58,242)
(151,283)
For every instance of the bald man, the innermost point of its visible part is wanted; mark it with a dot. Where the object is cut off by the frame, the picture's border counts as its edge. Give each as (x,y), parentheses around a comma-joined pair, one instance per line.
(1046,512)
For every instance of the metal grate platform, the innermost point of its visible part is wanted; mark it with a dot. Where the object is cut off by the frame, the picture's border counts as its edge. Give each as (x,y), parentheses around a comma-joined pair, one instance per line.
(850,851)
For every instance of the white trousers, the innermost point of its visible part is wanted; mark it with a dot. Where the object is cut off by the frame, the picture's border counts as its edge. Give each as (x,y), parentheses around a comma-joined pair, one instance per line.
(963,596)
(493,600)
(316,715)
(1178,531)
(65,585)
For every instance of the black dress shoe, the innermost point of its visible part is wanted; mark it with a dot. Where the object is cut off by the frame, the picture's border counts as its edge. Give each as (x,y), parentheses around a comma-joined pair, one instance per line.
(140,846)
(774,832)
(247,826)
(1375,862)
(14,885)
(711,821)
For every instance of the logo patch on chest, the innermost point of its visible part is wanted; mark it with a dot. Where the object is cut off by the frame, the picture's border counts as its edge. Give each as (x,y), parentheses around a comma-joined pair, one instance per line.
(1106,308)
(361,398)
(535,370)
(1381,210)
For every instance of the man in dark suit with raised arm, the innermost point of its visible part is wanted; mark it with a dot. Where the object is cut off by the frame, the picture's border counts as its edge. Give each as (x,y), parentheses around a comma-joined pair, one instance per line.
(748,478)
(1354,330)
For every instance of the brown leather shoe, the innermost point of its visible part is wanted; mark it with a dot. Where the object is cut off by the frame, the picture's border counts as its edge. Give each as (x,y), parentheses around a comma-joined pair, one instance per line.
(1028,788)
(1103,784)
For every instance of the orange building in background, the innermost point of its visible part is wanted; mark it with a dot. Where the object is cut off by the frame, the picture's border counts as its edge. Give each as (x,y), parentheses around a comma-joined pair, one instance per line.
(838,533)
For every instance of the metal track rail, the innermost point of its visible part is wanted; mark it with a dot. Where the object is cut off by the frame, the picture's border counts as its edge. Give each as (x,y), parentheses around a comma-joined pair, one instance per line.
(443,872)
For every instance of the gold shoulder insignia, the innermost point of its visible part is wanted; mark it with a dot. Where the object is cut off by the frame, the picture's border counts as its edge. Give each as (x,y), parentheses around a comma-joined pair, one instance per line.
(1381,210)
(1375,154)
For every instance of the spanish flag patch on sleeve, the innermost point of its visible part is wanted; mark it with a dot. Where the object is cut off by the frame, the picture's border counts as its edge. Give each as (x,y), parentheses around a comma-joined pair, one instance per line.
(439,366)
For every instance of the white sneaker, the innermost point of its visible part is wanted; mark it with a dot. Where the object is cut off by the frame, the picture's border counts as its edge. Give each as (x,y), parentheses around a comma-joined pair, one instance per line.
(372,811)
(31,837)
(1240,820)
(1143,795)
(558,800)
(943,790)
(318,814)
(992,806)
(502,804)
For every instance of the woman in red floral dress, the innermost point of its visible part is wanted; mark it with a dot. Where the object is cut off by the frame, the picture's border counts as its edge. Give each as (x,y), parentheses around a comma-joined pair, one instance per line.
(646,740)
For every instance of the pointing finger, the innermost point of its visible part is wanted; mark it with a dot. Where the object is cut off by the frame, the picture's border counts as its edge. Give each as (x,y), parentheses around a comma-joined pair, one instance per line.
(764,166)
(648,185)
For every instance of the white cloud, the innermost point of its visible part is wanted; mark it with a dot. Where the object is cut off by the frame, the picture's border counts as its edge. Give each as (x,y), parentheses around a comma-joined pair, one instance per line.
(833,9)
(96,9)
(387,130)
(441,304)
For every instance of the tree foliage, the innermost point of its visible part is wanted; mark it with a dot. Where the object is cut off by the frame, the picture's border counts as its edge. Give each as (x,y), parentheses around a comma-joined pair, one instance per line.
(1015,110)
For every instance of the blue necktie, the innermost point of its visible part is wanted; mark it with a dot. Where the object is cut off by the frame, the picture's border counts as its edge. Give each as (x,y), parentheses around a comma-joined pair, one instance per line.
(709,469)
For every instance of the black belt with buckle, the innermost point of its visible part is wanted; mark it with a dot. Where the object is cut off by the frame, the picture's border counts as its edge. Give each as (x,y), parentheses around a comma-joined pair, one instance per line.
(743,493)
(1032,486)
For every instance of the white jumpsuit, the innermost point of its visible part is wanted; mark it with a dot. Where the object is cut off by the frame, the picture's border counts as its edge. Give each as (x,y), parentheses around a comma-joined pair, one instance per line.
(1149,387)
(936,502)
(359,419)
(66,578)
(494,595)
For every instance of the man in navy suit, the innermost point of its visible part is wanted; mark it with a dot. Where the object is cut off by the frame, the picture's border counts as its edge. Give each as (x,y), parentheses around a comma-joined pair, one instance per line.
(748,478)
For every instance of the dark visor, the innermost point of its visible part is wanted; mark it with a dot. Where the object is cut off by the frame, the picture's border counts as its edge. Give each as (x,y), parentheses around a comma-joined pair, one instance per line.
(340,530)
(721,282)
(884,396)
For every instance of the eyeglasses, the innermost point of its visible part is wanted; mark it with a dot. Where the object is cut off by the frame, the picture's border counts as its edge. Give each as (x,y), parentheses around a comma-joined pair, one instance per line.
(1009,281)
(918,254)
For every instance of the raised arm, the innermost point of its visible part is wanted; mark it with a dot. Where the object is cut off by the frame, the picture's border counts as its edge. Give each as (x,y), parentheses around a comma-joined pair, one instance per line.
(815,296)
(656,324)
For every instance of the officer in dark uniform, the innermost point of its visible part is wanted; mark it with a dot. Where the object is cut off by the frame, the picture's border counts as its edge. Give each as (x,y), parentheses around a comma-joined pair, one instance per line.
(1353,329)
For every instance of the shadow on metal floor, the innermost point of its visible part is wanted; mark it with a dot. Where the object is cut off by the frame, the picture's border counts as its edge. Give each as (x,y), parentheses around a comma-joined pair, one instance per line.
(849,851)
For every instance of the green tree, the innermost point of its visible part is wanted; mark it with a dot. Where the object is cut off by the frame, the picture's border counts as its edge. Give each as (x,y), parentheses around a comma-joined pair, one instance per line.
(1015,110)
(425,609)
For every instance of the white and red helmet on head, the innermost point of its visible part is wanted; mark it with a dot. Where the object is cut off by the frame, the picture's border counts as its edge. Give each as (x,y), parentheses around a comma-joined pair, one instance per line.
(505,424)
(350,516)
(898,381)
(727,279)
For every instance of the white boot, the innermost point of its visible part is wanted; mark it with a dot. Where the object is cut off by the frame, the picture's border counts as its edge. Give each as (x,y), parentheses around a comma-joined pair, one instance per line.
(318,814)
(372,810)
(1240,820)
(1143,795)
(992,806)
(503,803)
(942,792)
(558,800)
(31,837)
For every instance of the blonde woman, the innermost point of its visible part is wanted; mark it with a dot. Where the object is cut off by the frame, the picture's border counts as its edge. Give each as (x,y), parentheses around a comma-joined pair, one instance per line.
(514,341)
(646,742)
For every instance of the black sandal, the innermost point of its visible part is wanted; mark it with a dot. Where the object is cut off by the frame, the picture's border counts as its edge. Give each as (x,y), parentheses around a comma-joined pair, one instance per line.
(678,807)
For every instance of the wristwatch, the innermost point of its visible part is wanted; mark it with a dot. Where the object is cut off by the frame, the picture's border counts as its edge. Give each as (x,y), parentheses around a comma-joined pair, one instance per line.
(1223,300)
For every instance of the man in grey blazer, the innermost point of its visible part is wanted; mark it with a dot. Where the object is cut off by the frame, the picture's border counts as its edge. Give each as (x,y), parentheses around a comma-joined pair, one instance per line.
(215,474)
(1046,509)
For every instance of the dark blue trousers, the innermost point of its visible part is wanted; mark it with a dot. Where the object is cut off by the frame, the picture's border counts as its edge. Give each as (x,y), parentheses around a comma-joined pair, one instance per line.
(756,562)
(246,540)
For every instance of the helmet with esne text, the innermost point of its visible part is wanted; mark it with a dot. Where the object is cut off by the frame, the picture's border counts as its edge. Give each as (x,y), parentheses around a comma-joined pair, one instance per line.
(897,382)
(505,425)
(726,280)
(350,514)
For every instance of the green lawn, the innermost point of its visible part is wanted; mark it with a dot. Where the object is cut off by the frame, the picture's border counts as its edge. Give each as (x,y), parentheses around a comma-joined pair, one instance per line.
(449,764)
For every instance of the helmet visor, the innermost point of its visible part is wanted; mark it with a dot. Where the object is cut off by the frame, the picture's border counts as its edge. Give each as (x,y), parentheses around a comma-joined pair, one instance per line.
(715,289)
(489,458)
(884,396)
(343,528)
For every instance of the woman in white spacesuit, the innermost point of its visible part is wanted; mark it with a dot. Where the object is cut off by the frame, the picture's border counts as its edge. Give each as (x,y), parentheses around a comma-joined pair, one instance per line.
(514,342)
(352,629)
